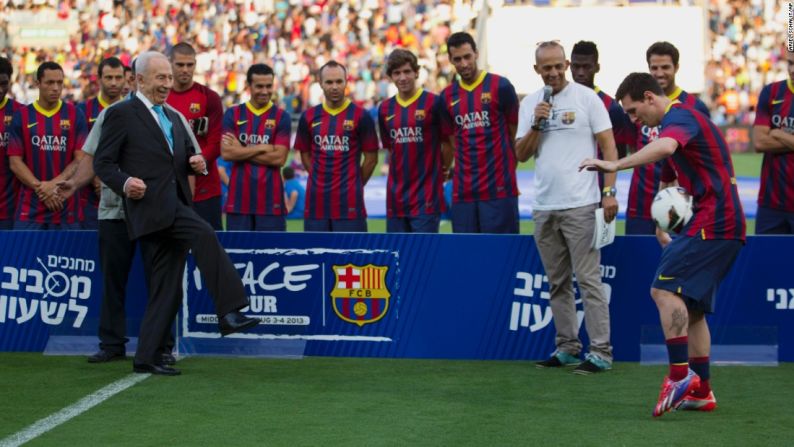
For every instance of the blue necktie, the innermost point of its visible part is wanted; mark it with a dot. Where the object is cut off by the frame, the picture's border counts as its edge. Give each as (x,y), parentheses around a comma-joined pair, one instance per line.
(166,125)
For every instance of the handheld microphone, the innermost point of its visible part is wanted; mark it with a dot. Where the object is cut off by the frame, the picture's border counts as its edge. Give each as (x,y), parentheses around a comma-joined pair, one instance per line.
(547,90)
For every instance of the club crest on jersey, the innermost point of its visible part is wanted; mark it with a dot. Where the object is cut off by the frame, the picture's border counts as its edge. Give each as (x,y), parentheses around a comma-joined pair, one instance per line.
(348,125)
(360,295)
(270,124)
(420,115)
(485,97)
(568,117)
(7,120)
(66,125)
(195,107)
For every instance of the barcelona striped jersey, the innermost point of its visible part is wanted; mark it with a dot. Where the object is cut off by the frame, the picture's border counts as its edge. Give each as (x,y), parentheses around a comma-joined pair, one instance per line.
(8,182)
(776,111)
(702,164)
(645,179)
(336,139)
(47,141)
(411,131)
(479,116)
(257,189)
(621,126)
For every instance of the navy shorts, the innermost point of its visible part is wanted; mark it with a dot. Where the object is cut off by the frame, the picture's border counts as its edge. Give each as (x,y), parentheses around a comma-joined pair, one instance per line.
(488,216)
(418,224)
(772,221)
(640,225)
(336,225)
(253,222)
(693,268)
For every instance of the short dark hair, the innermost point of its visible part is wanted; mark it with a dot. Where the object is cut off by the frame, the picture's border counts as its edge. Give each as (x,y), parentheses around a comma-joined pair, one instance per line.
(400,57)
(636,84)
(182,48)
(257,69)
(459,39)
(662,49)
(49,65)
(128,70)
(288,173)
(585,48)
(330,64)
(6,67)
(112,62)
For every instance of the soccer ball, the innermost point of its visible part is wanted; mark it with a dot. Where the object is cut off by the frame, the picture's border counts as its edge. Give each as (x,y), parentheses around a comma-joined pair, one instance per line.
(671,209)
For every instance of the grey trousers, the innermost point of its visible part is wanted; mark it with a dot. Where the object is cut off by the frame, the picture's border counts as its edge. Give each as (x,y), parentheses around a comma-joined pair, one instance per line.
(564,239)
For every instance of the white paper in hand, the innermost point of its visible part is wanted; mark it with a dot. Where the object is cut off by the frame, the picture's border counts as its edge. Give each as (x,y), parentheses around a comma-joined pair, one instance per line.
(604,233)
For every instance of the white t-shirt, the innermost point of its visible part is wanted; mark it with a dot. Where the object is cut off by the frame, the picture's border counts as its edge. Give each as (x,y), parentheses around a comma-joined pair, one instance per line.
(569,137)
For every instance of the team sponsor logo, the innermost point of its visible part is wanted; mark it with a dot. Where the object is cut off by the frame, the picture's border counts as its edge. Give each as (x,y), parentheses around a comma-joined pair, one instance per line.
(390,117)
(785,123)
(252,139)
(270,124)
(473,120)
(316,123)
(453,103)
(402,135)
(420,115)
(651,133)
(332,143)
(568,118)
(348,125)
(485,98)
(195,107)
(360,295)
(49,143)
(66,125)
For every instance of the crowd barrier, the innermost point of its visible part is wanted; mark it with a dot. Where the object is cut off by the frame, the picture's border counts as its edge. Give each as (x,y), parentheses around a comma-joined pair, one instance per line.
(384,295)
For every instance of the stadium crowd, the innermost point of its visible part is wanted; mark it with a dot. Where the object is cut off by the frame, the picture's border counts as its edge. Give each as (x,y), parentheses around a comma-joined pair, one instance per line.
(295,37)
(298,36)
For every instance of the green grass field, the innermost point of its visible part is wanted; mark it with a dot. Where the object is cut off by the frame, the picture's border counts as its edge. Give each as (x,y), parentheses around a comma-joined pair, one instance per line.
(346,401)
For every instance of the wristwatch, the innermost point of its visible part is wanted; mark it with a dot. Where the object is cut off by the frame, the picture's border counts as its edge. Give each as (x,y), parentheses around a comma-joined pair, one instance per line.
(609,191)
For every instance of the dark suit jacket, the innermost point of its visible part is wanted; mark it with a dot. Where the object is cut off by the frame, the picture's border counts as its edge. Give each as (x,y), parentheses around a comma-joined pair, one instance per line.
(133,145)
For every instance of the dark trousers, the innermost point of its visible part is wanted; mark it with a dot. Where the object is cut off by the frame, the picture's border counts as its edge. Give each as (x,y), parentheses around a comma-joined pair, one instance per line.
(165,252)
(210,210)
(116,252)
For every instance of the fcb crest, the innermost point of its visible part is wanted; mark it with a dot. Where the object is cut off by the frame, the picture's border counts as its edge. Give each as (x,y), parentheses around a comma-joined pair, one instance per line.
(195,107)
(360,295)
(8,119)
(270,124)
(485,97)
(348,125)
(420,115)
(65,124)
(568,117)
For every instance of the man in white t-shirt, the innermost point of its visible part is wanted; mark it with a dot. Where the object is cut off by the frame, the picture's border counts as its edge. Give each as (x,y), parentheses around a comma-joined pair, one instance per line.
(557,133)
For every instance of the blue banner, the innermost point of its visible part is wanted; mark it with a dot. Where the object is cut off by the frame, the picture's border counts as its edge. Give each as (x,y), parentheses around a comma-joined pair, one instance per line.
(382,295)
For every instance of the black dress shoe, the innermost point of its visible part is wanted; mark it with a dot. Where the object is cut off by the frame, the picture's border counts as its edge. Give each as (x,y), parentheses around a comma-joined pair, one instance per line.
(236,322)
(155,369)
(167,359)
(103,356)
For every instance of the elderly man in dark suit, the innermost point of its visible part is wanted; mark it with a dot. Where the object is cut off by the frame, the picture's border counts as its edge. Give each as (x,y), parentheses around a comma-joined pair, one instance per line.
(146,155)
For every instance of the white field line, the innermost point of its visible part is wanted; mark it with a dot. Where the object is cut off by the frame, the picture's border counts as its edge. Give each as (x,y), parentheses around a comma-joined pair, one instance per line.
(81,406)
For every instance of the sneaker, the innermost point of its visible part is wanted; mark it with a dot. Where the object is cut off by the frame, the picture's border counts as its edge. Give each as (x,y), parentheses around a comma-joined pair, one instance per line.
(592,364)
(673,392)
(692,403)
(557,360)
